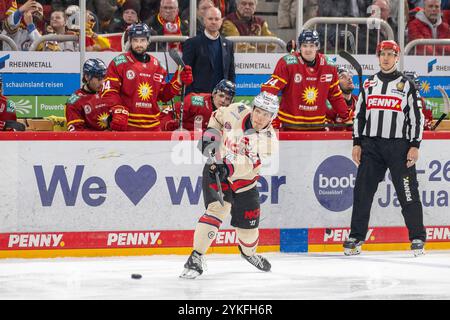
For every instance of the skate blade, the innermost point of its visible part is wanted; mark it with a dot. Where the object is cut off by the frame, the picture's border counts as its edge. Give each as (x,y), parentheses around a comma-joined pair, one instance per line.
(418,252)
(189,274)
(352,252)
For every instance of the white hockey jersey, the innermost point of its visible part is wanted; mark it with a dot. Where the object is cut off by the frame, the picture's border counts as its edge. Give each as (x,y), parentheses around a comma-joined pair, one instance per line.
(241,146)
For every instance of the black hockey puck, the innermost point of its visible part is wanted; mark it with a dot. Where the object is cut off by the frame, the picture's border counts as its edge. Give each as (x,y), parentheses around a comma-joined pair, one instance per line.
(136,276)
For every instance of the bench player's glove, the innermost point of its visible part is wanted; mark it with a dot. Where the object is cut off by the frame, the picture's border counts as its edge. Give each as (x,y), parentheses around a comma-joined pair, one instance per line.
(118,118)
(186,75)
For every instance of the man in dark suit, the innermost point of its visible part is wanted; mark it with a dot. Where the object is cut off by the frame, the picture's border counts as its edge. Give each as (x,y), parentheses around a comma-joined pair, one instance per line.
(210,55)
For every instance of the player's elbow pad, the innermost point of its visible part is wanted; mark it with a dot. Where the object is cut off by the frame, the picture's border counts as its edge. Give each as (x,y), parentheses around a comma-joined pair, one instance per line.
(210,141)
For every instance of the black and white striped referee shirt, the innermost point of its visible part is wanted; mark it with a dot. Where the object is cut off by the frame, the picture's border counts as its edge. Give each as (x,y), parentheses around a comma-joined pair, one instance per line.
(389,107)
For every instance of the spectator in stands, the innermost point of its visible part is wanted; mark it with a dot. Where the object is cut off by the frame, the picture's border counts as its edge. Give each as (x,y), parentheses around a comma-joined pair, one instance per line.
(287,12)
(64,4)
(225,6)
(428,24)
(130,12)
(243,22)
(58,26)
(104,10)
(336,8)
(210,55)
(7,8)
(168,23)
(22,25)
(415,4)
(149,8)
(382,9)
(203,6)
(94,42)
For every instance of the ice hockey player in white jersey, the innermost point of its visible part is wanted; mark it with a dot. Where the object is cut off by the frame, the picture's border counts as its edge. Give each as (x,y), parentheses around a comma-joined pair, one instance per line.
(238,138)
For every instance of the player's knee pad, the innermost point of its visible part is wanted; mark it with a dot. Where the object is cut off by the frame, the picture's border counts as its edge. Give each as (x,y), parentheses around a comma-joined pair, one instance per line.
(216,210)
(248,240)
(208,225)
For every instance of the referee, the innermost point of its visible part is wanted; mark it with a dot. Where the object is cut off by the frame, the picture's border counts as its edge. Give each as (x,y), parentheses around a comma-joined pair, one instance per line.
(388,129)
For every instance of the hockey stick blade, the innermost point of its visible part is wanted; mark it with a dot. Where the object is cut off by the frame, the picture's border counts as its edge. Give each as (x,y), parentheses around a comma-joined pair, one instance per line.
(446,108)
(173,53)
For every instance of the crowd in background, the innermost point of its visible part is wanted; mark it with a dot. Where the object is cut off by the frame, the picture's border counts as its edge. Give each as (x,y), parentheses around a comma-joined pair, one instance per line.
(24,21)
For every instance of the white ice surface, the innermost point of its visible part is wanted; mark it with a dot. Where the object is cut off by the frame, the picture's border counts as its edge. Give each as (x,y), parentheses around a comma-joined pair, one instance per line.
(372,275)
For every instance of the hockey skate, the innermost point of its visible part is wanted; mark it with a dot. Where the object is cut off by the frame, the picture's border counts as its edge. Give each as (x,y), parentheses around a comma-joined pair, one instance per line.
(193,266)
(257,260)
(352,247)
(417,246)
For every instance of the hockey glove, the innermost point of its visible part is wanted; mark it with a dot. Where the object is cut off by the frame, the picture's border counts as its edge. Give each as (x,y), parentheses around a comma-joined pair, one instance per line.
(221,168)
(186,75)
(171,125)
(119,118)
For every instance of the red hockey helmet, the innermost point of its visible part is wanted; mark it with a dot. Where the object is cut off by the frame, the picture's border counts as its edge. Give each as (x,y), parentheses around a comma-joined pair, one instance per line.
(388,45)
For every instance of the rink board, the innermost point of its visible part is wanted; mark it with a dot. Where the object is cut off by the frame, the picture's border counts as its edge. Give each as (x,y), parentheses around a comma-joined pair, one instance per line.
(96,194)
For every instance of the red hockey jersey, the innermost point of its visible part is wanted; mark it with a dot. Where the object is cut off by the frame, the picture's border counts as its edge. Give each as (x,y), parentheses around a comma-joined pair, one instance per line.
(333,117)
(138,87)
(86,111)
(197,106)
(305,91)
(427,111)
(7,111)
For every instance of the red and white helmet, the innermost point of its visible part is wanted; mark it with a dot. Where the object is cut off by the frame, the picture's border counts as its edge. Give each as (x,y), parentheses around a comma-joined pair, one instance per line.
(388,45)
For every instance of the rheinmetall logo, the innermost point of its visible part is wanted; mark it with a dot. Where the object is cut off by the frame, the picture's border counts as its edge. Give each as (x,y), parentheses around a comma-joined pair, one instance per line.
(431,64)
(434,65)
(3,61)
(334,182)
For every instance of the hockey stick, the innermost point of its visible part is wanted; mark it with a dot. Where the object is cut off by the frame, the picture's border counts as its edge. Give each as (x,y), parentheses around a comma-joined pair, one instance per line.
(167,66)
(446,108)
(219,185)
(173,53)
(355,64)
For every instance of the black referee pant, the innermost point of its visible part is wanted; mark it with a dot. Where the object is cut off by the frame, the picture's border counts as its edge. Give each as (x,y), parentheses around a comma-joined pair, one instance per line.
(378,155)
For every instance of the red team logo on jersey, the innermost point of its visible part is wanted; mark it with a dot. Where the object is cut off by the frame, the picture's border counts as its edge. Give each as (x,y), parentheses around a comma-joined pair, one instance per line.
(384,103)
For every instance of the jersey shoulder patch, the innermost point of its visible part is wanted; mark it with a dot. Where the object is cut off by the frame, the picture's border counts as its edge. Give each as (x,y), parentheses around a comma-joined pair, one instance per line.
(241,108)
(10,106)
(73,98)
(120,59)
(198,101)
(330,61)
(290,59)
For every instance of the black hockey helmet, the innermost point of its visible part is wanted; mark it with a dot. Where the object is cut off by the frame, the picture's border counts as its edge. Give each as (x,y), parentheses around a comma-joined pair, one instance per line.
(227,87)
(94,68)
